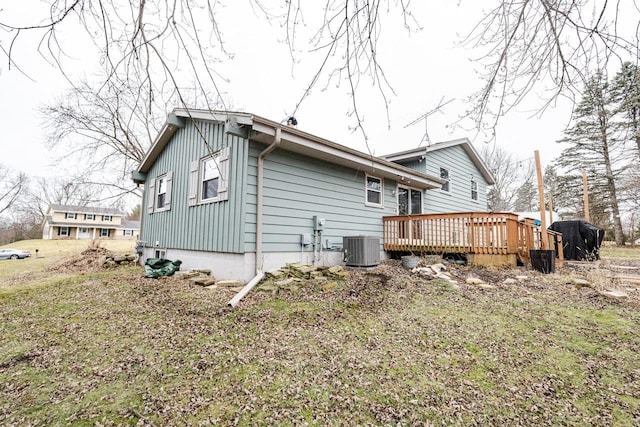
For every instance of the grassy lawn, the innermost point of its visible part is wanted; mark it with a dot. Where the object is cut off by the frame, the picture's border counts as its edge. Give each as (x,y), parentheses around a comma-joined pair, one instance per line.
(388,348)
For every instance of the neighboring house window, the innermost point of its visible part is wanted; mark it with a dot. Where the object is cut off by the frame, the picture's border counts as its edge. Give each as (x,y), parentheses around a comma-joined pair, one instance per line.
(107,218)
(444,174)
(127,232)
(159,193)
(474,189)
(209,178)
(70,215)
(90,217)
(374,191)
(409,201)
(63,231)
(105,232)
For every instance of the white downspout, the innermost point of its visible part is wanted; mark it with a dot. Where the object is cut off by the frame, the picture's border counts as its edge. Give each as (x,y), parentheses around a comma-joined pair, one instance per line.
(259,273)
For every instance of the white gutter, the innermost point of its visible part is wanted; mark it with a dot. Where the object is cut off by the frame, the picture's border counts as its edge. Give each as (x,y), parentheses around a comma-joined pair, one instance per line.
(259,274)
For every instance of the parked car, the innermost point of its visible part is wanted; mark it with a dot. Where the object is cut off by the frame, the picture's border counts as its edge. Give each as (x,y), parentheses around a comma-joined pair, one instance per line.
(9,253)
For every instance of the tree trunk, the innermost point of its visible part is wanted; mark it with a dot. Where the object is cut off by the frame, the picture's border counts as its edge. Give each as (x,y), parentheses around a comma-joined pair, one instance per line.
(611,186)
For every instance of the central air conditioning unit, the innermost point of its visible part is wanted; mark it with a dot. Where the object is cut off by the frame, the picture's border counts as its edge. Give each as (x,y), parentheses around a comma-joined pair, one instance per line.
(361,251)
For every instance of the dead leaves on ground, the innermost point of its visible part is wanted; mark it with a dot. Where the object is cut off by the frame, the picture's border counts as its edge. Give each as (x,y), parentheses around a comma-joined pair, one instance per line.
(387,347)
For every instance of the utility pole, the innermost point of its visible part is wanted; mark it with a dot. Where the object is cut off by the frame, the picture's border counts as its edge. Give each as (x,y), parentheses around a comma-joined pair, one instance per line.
(585,196)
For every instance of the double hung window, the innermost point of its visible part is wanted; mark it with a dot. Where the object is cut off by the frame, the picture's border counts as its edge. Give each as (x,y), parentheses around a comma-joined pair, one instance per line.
(373,191)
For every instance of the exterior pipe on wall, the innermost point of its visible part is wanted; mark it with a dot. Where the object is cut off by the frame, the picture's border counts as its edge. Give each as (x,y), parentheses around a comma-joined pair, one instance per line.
(259,274)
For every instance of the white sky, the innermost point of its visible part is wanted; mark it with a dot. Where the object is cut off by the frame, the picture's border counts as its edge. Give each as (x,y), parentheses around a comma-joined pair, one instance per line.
(422,68)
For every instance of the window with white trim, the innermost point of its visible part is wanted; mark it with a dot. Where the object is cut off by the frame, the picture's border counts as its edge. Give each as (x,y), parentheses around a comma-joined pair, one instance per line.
(107,218)
(373,189)
(444,175)
(63,231)
(209,178)
(127,232)
(159,193)
(105,232)
(474,189)
(89,217)
(70,215)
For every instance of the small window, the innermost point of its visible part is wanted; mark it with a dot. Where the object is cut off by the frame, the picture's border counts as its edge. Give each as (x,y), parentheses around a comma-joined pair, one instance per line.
(63,231)
(160,253)
(161,192)
(210,179)
(89,217)
(444,174)
(107,218)
(474,189)
(105,232)
(374,191)
(127,232)
(70,215)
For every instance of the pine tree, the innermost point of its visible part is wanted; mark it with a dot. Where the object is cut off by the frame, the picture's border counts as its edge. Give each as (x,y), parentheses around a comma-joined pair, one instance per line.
(626,94)
(593,148)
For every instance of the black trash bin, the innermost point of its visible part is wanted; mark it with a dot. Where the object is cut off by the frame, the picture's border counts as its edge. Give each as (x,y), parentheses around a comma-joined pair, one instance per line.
(543,260)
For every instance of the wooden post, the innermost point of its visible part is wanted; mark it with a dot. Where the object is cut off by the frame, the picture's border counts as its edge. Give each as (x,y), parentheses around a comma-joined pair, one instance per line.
(544,244)
(585,196)
(550,209)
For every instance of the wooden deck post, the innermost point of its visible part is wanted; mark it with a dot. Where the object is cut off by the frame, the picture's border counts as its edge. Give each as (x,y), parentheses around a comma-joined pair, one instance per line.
(544,244)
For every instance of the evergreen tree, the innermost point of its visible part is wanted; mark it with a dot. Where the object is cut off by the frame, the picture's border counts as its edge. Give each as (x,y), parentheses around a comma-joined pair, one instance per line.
(527,197)
(593,148)
(626,94)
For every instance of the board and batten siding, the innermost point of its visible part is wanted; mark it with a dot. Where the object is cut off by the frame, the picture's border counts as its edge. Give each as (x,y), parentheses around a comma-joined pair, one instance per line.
(216,226)
(461,169)
(297,188)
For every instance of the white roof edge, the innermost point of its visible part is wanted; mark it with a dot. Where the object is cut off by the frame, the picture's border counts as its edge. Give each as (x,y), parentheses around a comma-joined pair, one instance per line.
(296,138)
(464,142)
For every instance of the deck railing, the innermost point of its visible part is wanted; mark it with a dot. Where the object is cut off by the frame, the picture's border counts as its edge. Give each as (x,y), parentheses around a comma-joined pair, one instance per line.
(466,232)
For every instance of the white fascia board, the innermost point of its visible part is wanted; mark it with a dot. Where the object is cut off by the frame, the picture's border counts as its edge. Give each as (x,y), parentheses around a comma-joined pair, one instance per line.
(326,150)
(216,116)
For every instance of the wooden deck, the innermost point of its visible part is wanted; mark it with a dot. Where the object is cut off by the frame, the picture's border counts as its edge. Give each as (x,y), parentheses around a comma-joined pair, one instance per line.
(485,238)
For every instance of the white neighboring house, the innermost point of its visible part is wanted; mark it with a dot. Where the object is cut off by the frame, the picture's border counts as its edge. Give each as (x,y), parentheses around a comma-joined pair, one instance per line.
(86,222)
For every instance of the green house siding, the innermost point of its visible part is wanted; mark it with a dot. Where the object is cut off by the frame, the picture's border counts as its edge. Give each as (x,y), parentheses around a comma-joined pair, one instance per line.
(297,188)
(461,170)
(217,226)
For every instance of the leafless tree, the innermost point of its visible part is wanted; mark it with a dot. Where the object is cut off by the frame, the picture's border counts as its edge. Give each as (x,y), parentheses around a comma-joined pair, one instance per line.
(548,47)
(510,175)
(524,46)
(11,186)
(43,192)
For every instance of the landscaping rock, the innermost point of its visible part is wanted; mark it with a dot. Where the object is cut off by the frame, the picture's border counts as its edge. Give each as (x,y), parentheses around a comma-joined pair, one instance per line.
(203,280)
(474,281)
(614,294)
(509,281)
(437,268)
(228,283)
(581,283)
(186,274)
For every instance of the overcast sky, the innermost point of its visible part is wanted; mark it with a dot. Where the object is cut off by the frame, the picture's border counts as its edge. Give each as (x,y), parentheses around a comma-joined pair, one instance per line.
(422,68)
